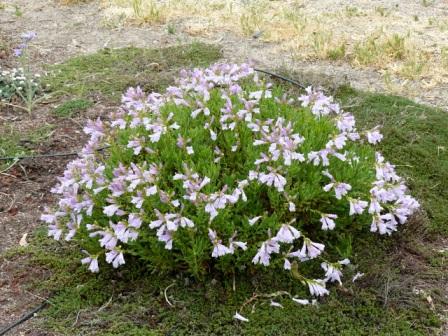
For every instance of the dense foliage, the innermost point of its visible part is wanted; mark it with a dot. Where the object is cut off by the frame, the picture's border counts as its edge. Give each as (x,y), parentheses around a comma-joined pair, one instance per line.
(226,172)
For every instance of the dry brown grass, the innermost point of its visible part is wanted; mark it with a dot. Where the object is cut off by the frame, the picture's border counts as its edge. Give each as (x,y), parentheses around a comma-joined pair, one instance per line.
(405,42)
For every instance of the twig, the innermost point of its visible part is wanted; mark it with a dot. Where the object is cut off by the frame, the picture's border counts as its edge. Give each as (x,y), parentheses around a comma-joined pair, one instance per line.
(77,317)
(106,304)
(9,175)
(8,168)
(256,296)
(166,297)
(16,106)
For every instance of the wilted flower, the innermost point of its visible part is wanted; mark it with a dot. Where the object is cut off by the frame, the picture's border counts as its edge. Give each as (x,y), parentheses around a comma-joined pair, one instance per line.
(237,316)
(317,287)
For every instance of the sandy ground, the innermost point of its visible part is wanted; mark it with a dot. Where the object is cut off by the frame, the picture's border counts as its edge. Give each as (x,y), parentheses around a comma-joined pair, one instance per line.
(65,31)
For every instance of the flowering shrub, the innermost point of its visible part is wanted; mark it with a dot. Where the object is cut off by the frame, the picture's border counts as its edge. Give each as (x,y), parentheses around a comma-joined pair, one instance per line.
(224,171)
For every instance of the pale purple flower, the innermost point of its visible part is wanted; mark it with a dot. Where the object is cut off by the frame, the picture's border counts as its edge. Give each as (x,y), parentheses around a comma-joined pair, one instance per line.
(309,249)
(264,253)
(345,122)
(287,234)
(341,189)
(108,241)
(332,272)
(111,210)
(115,258)
(137,200)
(375,206)
(236,244)
(374,136)
(28,36)
(327,221)
(273,178)
(164,235)
(357,206)
(18,52)
(218,248)
(291,206)
(136,145)
(93,263)
(134,220)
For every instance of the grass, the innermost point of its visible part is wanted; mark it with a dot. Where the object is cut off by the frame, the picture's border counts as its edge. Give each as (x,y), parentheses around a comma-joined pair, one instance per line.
(109,72)
(378,50)
(131,301)
(14,143)
(343,33)
(72,107)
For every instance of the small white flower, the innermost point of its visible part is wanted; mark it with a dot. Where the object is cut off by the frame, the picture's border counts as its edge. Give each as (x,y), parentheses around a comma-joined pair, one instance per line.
(253,220)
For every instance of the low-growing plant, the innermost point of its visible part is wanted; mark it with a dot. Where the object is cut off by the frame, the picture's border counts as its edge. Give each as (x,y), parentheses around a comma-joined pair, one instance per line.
(337,53)
(444,57)
(251,19)
(226,173)
(21,82)
(14,82)
(69,108)
(148,11)
(379,49)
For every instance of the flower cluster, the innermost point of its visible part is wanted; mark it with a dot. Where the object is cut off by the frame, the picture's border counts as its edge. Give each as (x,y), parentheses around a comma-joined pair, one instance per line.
(225,170)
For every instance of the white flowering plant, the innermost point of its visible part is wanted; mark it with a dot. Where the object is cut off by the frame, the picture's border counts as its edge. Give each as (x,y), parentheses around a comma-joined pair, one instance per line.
(14,81)
(21,82)
(225,172)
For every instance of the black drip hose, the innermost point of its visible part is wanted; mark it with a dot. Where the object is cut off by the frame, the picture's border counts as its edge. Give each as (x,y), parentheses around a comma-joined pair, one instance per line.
(286,79)
(44,303)
(24,318)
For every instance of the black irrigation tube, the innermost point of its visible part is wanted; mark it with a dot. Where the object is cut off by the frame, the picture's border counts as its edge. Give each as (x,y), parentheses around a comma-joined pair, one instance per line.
(286,79)
(24,318)
(39,156)
(31,313)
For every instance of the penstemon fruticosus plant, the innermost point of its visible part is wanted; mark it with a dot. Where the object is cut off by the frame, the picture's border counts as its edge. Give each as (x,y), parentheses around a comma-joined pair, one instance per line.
(225,173)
